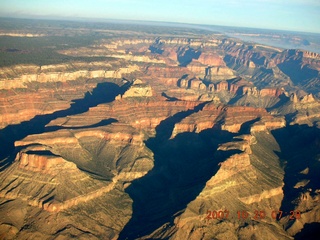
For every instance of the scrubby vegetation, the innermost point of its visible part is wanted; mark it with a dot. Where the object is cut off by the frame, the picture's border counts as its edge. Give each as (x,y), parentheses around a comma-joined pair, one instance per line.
(41,50)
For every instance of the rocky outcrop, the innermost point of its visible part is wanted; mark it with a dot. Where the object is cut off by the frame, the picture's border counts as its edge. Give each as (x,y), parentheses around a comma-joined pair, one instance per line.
(196,84)
(243,145)
(308,208)
(227,118)
(143,114)
(29,90)
(138,89)
(67,137)
(17,105)
(174,72)
(302,109)
(235,86)
(43,171)
(210,59)
(265,194)
(20,106)
(268,124)
(218,73)
(313,55)
(36,163)
(275,92)
(221,86)
(233,165)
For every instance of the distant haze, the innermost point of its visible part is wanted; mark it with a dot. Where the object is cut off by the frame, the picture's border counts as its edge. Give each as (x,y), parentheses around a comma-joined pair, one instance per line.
(294,15)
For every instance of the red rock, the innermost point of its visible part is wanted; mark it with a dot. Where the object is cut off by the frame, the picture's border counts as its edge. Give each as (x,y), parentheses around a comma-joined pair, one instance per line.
(222,86)
(233,165)
(210,59)
(273,92)
(196,84)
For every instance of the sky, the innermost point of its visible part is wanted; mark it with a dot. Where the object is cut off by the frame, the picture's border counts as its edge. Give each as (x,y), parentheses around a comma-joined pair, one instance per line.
(293,15)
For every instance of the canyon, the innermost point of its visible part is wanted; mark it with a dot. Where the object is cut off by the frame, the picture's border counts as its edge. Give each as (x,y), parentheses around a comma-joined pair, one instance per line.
(146,134)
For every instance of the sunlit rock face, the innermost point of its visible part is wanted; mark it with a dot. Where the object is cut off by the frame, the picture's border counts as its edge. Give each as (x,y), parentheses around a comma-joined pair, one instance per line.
(138,89)
(173,135)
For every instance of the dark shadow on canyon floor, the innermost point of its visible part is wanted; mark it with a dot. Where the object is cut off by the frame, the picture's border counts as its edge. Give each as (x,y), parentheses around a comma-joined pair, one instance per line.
(246,127)
(103,93)
(310,231)
(300,157)
(186,55)
(182,166)
(298,72)
(283,100)
(170,99)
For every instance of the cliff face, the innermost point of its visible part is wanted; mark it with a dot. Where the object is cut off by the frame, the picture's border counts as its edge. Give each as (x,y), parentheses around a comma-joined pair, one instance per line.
(141,113)
(88,148)
(27,91)
(237,91)
(18,107)
(42,75)
(211,59)
(138,89)
(226,118)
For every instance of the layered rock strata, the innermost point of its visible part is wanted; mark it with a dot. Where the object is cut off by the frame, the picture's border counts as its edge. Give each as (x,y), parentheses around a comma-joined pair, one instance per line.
(194,130)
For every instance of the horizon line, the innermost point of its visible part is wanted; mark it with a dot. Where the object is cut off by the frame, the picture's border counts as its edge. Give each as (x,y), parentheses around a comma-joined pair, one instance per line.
(136,21)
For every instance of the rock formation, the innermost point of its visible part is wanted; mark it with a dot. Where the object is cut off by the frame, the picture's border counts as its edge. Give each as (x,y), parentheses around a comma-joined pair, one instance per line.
(159,134)
(138,89)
